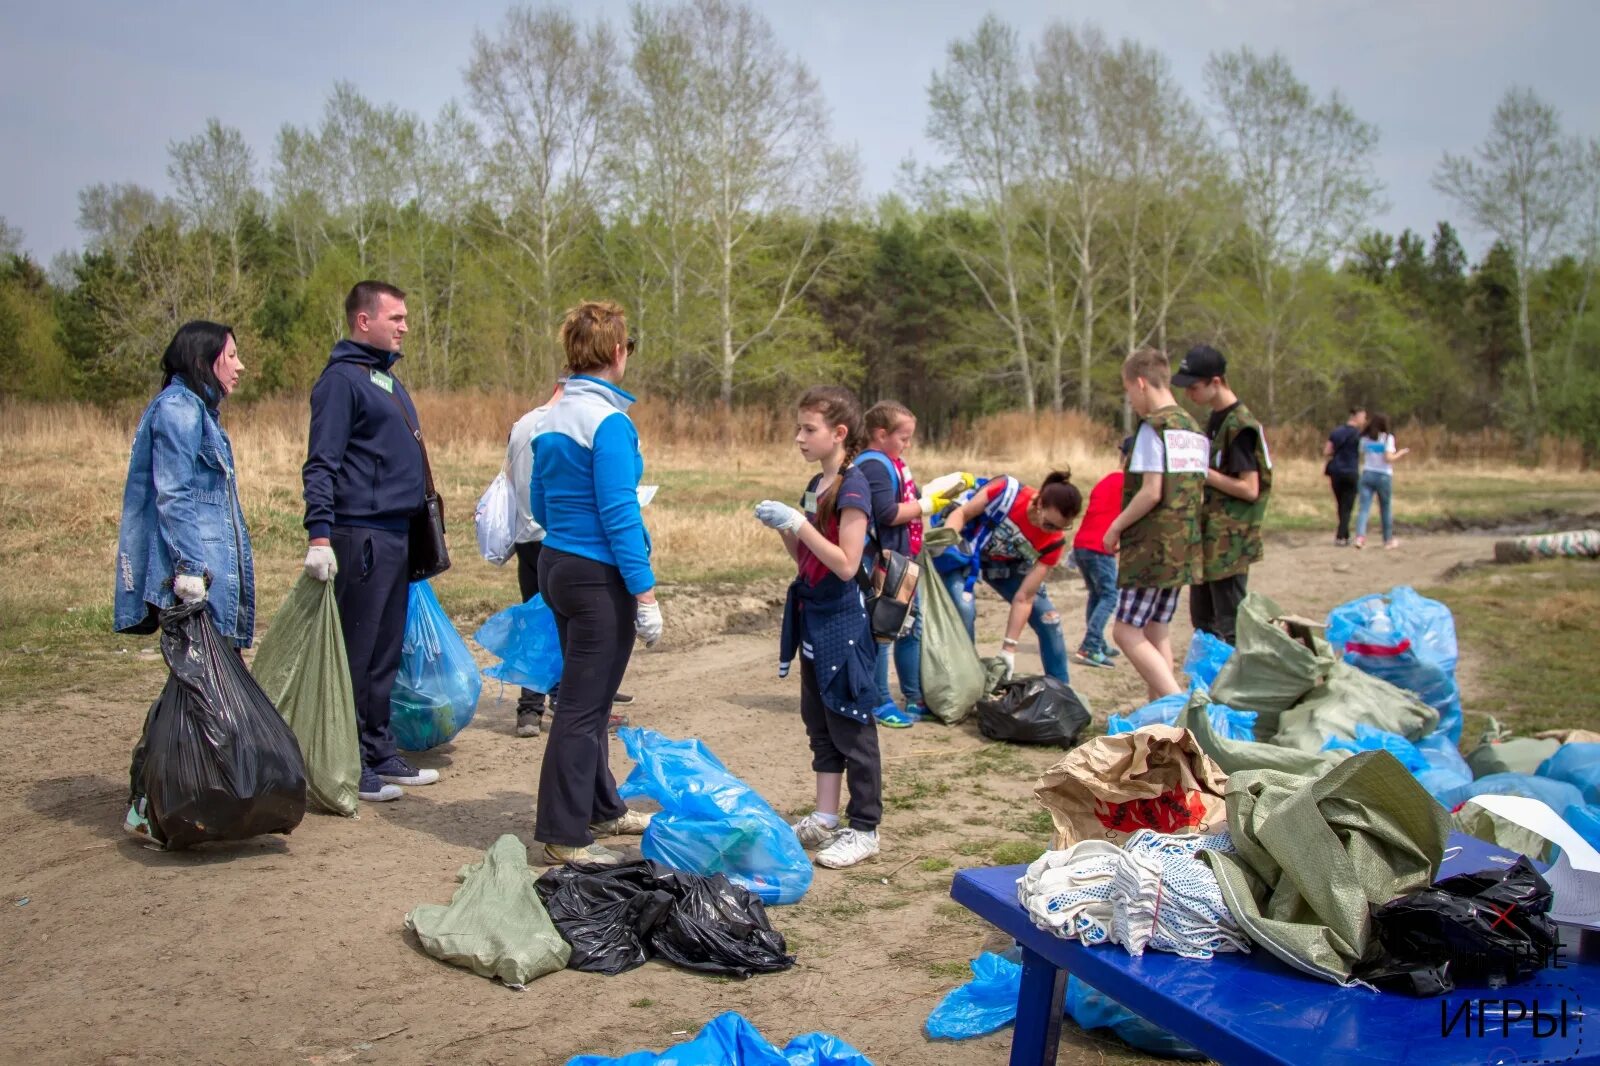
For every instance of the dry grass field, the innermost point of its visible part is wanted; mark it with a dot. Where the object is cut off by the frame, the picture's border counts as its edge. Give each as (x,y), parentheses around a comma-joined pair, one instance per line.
(292,951)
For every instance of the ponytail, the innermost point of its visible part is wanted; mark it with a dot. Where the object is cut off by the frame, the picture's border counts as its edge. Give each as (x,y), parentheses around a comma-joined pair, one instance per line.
(1060,495)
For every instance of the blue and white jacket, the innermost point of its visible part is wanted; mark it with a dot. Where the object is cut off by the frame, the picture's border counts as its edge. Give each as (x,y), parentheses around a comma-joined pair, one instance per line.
(585,485)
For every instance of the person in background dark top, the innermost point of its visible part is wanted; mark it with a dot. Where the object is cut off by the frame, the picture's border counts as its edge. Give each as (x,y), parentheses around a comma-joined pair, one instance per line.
(363,481)
(1343,449)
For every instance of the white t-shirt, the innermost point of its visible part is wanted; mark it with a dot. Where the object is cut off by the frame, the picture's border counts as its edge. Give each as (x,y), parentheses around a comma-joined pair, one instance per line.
(1181,452)
(1375,454)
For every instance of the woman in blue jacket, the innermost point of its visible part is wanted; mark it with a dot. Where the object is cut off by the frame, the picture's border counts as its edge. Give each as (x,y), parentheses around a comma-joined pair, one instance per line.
(595,566)
(182,537)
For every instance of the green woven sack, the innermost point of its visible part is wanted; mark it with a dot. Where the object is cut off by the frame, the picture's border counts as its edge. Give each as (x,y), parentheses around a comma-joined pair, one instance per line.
(495,924)
(1350,698)
(1278,660)
(303,669)
(952,673)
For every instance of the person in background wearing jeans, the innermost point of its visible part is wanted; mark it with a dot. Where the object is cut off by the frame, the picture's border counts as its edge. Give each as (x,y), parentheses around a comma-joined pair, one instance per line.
(1099,567)
(529,542)
(595,570)
(362,483)
(1377,478)
(1343,450)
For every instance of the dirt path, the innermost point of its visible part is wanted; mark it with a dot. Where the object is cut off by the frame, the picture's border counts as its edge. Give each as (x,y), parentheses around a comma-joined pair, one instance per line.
(291,950)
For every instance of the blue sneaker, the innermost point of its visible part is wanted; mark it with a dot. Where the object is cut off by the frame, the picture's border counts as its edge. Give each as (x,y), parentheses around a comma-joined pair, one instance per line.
(892,716)
(916,710)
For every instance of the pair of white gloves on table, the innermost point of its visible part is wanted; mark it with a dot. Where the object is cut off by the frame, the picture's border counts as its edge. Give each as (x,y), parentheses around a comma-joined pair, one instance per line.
(322,565)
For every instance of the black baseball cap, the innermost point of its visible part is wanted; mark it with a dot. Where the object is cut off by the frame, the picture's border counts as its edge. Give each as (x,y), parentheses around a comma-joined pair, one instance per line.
(1202,363)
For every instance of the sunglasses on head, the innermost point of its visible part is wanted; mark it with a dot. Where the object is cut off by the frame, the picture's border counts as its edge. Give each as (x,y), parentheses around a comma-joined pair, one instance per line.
(630,345)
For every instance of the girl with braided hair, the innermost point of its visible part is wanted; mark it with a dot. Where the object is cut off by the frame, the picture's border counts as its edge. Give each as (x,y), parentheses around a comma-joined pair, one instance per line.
(825,620)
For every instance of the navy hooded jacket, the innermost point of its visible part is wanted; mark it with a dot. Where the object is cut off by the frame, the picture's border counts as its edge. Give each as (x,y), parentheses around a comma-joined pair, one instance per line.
(363,465)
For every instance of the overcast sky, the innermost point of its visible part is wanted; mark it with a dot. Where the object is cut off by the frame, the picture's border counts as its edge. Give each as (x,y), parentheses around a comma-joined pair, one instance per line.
(95,91)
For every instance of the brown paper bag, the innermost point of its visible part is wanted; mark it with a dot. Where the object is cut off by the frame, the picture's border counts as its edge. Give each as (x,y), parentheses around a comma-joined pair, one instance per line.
(1152,778)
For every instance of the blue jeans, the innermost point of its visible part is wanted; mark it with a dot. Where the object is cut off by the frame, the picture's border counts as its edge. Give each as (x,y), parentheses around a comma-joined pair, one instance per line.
(1099,572)
(1382,486)
(907,653)
(1052,645)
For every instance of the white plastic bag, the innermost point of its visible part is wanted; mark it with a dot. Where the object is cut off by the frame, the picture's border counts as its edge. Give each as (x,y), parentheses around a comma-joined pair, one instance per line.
(496,520)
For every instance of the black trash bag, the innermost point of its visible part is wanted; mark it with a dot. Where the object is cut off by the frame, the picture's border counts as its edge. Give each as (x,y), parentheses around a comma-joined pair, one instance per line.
(216,760)
(619,917)
(1471,929)
(1033,710)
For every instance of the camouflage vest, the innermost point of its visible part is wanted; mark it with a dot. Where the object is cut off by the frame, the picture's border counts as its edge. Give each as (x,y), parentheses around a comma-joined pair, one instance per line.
(1233,526)
(1163,549)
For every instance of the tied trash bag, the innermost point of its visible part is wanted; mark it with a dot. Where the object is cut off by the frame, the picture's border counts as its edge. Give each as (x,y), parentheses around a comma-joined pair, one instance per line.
(1093,1009)
(1467,929)
(1228,723)
(1109,788)
(495,924)
(1578,765)
(1034,710)
(216,761)
(619,917)
(730,1040)
(953,677)
(1278,660)
(496,520)
(302,667)
(525,638)
(1408,641)
(711,822)
(1207,656)
(436,691)
(984,1004)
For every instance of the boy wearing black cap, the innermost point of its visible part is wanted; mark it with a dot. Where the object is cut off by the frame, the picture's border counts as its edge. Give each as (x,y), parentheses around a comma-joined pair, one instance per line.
(1238,482)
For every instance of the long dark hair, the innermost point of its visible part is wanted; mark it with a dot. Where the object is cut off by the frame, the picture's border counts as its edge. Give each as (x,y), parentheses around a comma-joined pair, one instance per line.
(838,406)
(1059,494)
(192,354)
(1377,426)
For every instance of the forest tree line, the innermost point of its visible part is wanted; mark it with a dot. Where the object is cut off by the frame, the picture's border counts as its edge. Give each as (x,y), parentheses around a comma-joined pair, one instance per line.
(1078,204)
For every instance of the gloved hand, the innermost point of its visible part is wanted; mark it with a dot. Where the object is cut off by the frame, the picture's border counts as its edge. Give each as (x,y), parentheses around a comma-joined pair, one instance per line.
(647,623)
(942,491)
(189,588)
(780,516)
(321,563)
(1009,657)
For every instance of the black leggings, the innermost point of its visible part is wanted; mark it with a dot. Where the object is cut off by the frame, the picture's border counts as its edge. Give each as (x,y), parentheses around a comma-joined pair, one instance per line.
(1344,495)
(594,614)
(843,745)
(528,584)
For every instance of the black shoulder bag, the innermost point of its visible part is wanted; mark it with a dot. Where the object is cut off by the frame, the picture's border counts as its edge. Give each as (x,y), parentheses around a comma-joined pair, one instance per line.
(428,554)
(888,581)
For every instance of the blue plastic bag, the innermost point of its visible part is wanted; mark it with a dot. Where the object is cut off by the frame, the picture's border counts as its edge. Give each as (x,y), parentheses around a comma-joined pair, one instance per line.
(984,1004)
(1370,738)
(711,822)
(436,691)
(1586,820)
(525,638)
(1093,1009)
(1558,795)
(730,1040)
(1229,723)
(1407,640)
(1576,764)
(1206,655)
(1446,768)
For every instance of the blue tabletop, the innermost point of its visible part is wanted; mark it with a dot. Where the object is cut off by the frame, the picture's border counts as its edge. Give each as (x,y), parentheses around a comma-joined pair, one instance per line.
(1252,1008)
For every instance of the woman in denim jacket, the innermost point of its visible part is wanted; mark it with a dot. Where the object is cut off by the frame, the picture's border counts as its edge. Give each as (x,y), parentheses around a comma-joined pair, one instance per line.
(182,536)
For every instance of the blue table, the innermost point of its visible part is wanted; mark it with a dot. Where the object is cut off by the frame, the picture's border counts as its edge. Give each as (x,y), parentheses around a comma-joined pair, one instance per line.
(1247,1009)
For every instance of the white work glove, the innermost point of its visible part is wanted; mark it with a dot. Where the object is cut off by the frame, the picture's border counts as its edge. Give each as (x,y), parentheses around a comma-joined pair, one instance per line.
(188,588)
(321,563)
(1009,657)
(780,516)
(647,623)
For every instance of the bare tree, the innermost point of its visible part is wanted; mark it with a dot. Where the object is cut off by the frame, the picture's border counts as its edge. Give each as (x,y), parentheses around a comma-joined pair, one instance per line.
(1522,188)
(980,117)
(357,148)
(1304,171)
(298,185)
(213,174)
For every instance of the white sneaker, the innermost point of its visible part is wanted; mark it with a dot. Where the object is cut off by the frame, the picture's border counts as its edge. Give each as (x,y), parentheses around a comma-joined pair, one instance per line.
(848,848)
(814,832)
(632,823)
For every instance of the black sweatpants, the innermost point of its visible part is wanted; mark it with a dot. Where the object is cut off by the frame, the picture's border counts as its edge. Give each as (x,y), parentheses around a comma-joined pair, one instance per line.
(1345,490)
(841,745)
(1214,606)
(594,615)
(528,583)
(372,588)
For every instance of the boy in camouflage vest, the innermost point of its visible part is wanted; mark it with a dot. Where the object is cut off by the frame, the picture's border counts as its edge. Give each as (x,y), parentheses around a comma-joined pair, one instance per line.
(1158,530)
(1238,482)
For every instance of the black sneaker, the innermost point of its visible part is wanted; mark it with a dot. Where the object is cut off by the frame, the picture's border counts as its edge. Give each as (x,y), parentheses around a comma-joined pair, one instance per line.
(622,697)
(397,771)
(529,723)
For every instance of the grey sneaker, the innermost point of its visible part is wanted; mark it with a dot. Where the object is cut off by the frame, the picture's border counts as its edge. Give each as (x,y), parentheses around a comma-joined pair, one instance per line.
(594,854)
(848,848)
(631,824)
(814,832)
(529,723)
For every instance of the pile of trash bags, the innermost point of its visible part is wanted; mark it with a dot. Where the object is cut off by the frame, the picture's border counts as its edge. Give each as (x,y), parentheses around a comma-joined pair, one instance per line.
(436,691)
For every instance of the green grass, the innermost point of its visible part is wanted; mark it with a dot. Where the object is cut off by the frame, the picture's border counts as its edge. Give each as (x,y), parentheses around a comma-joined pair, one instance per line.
(1035,823)
(1016,851)
(933,865)
(1532,631)
(955,970)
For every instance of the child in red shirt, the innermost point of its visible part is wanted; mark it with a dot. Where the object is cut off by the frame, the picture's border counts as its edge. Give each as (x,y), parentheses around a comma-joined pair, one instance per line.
(1099,569)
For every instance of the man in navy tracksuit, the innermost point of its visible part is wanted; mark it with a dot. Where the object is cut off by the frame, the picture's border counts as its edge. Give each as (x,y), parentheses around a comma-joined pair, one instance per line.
(363,480)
